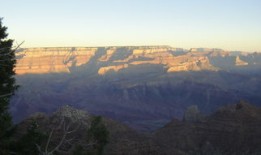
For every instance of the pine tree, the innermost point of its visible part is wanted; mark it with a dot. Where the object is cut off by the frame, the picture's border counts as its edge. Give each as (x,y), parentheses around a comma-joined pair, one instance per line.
(7,86)
(99,133)
(26,145)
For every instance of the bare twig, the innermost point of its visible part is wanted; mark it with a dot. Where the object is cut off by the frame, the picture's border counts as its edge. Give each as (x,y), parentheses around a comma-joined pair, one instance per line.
(60,143)
(18,46)
(5,95)
(48,141)
(15,48)
(62,126)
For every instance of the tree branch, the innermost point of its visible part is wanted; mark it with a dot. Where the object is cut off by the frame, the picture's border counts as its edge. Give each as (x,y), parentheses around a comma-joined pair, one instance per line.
(5,95)
(48,141)
(60,143)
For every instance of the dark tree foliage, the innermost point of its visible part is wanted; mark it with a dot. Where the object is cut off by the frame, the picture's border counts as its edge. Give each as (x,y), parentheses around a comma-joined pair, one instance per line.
(26,145)
(97,138)
(7,86)
(99,133)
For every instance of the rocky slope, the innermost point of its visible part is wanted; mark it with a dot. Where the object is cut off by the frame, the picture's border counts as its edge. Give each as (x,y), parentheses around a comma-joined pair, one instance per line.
(234,129)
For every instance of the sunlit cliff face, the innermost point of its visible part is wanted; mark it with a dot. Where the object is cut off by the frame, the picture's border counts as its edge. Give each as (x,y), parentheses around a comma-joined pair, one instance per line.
(51,60)
(60,60)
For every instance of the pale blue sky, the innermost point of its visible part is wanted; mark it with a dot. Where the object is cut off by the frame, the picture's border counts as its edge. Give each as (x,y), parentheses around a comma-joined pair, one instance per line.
(227,24)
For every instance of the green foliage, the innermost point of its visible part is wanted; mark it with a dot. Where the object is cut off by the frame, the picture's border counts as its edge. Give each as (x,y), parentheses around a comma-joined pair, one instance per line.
(7,87)
(79,150)
(98,131)
(97,138)
(26,145)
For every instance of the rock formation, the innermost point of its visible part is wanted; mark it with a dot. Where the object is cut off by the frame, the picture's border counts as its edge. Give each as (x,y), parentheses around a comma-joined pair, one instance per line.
(59,60)
(240,62)
(51,60)
(104,70)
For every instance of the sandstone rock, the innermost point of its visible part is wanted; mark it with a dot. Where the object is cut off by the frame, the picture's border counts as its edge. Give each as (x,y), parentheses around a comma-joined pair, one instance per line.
(240,62)
(61,60)
(104,70)
(108,54)
(51,60)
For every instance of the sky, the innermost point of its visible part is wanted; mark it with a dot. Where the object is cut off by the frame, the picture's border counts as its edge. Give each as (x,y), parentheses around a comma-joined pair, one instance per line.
(226,24)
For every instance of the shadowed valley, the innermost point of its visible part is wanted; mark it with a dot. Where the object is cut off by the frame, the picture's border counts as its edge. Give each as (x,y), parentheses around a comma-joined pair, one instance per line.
(143,87)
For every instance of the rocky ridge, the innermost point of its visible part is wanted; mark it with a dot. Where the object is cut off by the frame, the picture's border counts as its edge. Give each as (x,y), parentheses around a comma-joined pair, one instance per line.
(232,129)
(59,60)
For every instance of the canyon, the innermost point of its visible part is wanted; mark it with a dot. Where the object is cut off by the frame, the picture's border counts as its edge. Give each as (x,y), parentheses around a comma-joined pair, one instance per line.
(142,86)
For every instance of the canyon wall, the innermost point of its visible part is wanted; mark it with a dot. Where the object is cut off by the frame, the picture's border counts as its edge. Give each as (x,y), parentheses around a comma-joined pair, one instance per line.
(144,86)
(60,60)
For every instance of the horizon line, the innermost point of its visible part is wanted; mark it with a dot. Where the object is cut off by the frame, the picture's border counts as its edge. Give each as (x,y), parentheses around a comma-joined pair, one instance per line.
(169,46)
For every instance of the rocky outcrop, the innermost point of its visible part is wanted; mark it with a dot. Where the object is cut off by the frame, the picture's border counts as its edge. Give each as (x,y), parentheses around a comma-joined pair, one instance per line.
(240,62)
(108,55)
(150,50)
(191,64)
(104,70)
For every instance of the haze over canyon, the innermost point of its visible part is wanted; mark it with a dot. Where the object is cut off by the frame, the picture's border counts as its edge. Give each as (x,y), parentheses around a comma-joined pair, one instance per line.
(142,86)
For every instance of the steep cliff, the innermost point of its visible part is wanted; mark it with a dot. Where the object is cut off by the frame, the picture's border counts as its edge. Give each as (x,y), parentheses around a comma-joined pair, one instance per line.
(51,60)
(59,60)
